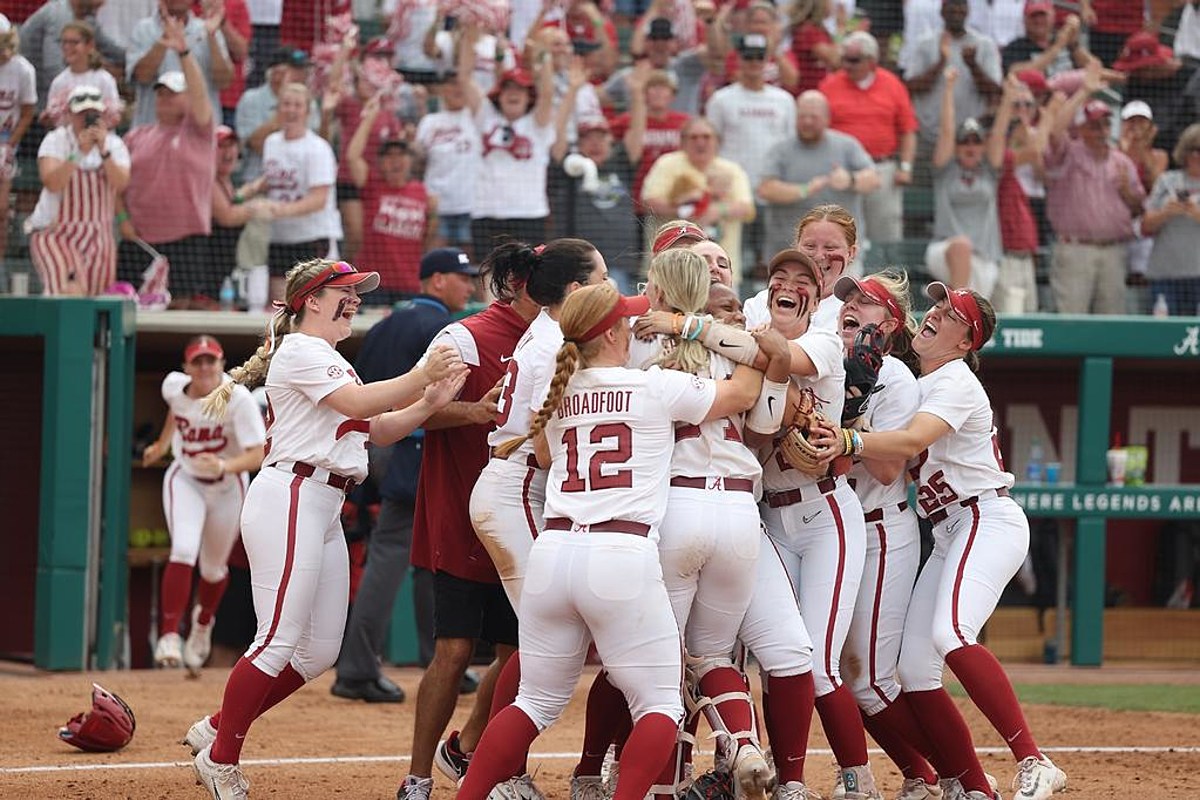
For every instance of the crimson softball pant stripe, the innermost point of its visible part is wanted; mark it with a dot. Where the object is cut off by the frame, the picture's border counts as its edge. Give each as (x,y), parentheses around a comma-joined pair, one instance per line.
(506,511)
(603,587)
(823,543)
(773,629)
(84,251)
(877,627)
(976,551)
(204,519)
(708,546)
(299,572)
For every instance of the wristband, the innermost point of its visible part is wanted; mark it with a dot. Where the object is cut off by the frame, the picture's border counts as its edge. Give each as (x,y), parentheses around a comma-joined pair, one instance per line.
(71,158)
(677,325)
(853,181)
(237,198)
(183,53)
(803,190)
(906,166)
(105,155)
(122,216)
(856,443)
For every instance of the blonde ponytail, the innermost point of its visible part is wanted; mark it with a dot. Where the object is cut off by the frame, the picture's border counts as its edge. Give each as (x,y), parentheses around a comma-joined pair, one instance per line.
(682,277)
(253,372)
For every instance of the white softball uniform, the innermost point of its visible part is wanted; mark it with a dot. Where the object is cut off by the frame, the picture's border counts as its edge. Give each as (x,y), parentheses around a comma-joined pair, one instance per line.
(202,513)
(709,540)
(818,524)
(893,550)
(291,525)
(594,572)
(980,535)
(507,500)
(825,317)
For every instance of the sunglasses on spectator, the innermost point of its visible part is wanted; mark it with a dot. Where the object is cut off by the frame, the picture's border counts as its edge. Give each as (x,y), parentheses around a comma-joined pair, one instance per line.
(853,59)
(72,41)
(1024,104)
(699,136)
(754,55)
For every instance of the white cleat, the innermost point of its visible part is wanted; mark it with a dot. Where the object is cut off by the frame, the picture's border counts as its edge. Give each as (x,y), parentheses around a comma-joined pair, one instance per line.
(917,789)
(794,790)
(587,787)
(198,645)
(414,788)
(952,789)
(200,735)
(753,775)
(1038,779)
(168,653)
(223,781)
(519,788)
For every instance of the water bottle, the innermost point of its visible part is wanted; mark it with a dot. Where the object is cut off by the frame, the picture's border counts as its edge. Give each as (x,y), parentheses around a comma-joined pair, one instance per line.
(1035,469)
(227,294)
(1160,306)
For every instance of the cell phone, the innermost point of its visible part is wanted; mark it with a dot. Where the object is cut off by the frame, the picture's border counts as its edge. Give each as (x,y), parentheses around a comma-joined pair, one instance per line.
(90,118)
(449,23)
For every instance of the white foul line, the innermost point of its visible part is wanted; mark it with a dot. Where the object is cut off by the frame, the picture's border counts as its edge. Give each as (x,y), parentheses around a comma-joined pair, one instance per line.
(281,762)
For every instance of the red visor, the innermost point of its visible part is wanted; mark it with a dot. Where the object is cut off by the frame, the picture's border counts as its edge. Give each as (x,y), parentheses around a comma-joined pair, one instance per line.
(338,273)
(205,346)
(625,307)
(962,302)
(871,289)
(675,233)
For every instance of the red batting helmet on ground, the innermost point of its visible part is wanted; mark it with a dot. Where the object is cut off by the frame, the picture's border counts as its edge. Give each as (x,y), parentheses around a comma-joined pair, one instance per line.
(108,726)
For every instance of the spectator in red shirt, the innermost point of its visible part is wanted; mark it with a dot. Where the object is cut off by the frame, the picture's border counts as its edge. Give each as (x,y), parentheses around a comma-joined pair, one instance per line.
(814,50)
(873,106)
(400,216)
(1016,286)
(660,126)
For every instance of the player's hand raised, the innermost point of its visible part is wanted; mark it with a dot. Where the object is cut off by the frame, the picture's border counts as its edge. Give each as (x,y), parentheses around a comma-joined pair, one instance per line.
(440,393)
(440,363)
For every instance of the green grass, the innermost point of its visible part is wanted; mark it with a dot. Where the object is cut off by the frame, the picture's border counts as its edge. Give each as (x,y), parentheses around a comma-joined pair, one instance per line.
(1116,697)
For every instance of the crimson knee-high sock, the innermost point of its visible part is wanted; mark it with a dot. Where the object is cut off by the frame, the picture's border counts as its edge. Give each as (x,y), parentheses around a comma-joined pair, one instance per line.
(245,691)
(500,753)
(174,594)
(788,714)
(943,723)
(988,687)
(606,714)
(735,712)
(283,686)
(650,744)
(671,771)
(508,682)
(902,753)
(843,727)
(208,597)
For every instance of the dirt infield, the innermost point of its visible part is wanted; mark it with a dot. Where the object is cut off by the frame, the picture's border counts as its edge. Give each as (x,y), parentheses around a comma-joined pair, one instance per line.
(374,741)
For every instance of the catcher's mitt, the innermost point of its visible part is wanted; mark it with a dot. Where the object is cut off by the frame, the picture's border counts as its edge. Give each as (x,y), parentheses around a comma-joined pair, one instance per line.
(794,445)
(712,785)
(862,372)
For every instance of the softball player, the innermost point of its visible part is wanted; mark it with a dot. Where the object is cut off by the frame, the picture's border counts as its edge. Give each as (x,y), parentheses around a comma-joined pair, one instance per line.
(828,235)
(594,572)
(893,539)
(320,417)
(203,491)
(980,540)
(816,523)
(506,503)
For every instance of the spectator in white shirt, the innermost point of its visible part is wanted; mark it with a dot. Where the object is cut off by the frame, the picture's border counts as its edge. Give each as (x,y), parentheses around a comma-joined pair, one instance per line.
(450,144)
(83,69)
(18,88)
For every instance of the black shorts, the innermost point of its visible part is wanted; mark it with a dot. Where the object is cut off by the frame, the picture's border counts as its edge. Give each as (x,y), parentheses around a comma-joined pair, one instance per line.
(282,257)
(464,609)
(347,191)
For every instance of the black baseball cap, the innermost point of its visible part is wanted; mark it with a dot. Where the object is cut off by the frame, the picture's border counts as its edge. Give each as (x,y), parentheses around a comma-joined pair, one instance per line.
(660,29)
(446,259)
(387,145)
(753,45)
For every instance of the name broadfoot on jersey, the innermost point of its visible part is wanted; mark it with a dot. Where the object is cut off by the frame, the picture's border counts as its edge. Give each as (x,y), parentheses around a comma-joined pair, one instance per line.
(605,401)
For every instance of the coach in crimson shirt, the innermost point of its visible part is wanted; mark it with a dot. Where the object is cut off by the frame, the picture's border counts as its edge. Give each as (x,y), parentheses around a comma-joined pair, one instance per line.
(873,106)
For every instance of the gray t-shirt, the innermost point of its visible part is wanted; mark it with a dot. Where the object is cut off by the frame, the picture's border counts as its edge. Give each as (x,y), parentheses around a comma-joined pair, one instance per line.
(794,161)
(1178,240)
(145,34)
(965,205)
(968,102)
(688,71)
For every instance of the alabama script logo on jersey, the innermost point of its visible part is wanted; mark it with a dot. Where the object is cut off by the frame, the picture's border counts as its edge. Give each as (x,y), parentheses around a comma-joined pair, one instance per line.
(199,439)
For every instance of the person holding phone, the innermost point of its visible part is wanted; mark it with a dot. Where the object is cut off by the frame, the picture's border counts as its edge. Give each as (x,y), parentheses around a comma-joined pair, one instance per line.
(1173,218)
(82,166)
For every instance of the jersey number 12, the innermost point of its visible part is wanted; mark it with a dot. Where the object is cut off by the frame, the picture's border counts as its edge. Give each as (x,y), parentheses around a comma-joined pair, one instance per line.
(619,453)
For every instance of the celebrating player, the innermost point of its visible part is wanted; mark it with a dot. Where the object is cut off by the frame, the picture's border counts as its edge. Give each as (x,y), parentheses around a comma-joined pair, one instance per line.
(594,572)
(876,330)
(980,540)
(320,417)
(203,491)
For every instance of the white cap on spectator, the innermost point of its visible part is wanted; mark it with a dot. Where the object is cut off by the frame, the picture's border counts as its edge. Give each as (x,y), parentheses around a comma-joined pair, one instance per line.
(1137,108)
(5,25)
(85,98)
(173,80)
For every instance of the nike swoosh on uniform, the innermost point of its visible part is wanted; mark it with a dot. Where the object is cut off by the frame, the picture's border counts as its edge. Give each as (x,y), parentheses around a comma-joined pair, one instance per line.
(771,405)
(724,343)
(809,518)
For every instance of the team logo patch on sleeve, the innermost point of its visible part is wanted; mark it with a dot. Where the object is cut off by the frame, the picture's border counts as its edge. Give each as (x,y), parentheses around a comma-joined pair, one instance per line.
(335,371)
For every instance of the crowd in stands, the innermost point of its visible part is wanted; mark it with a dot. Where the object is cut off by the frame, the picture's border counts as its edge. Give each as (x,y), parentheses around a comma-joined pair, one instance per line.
(1045,154)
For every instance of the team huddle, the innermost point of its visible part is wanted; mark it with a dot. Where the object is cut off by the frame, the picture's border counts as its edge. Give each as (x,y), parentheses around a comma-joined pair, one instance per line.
(681,489)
